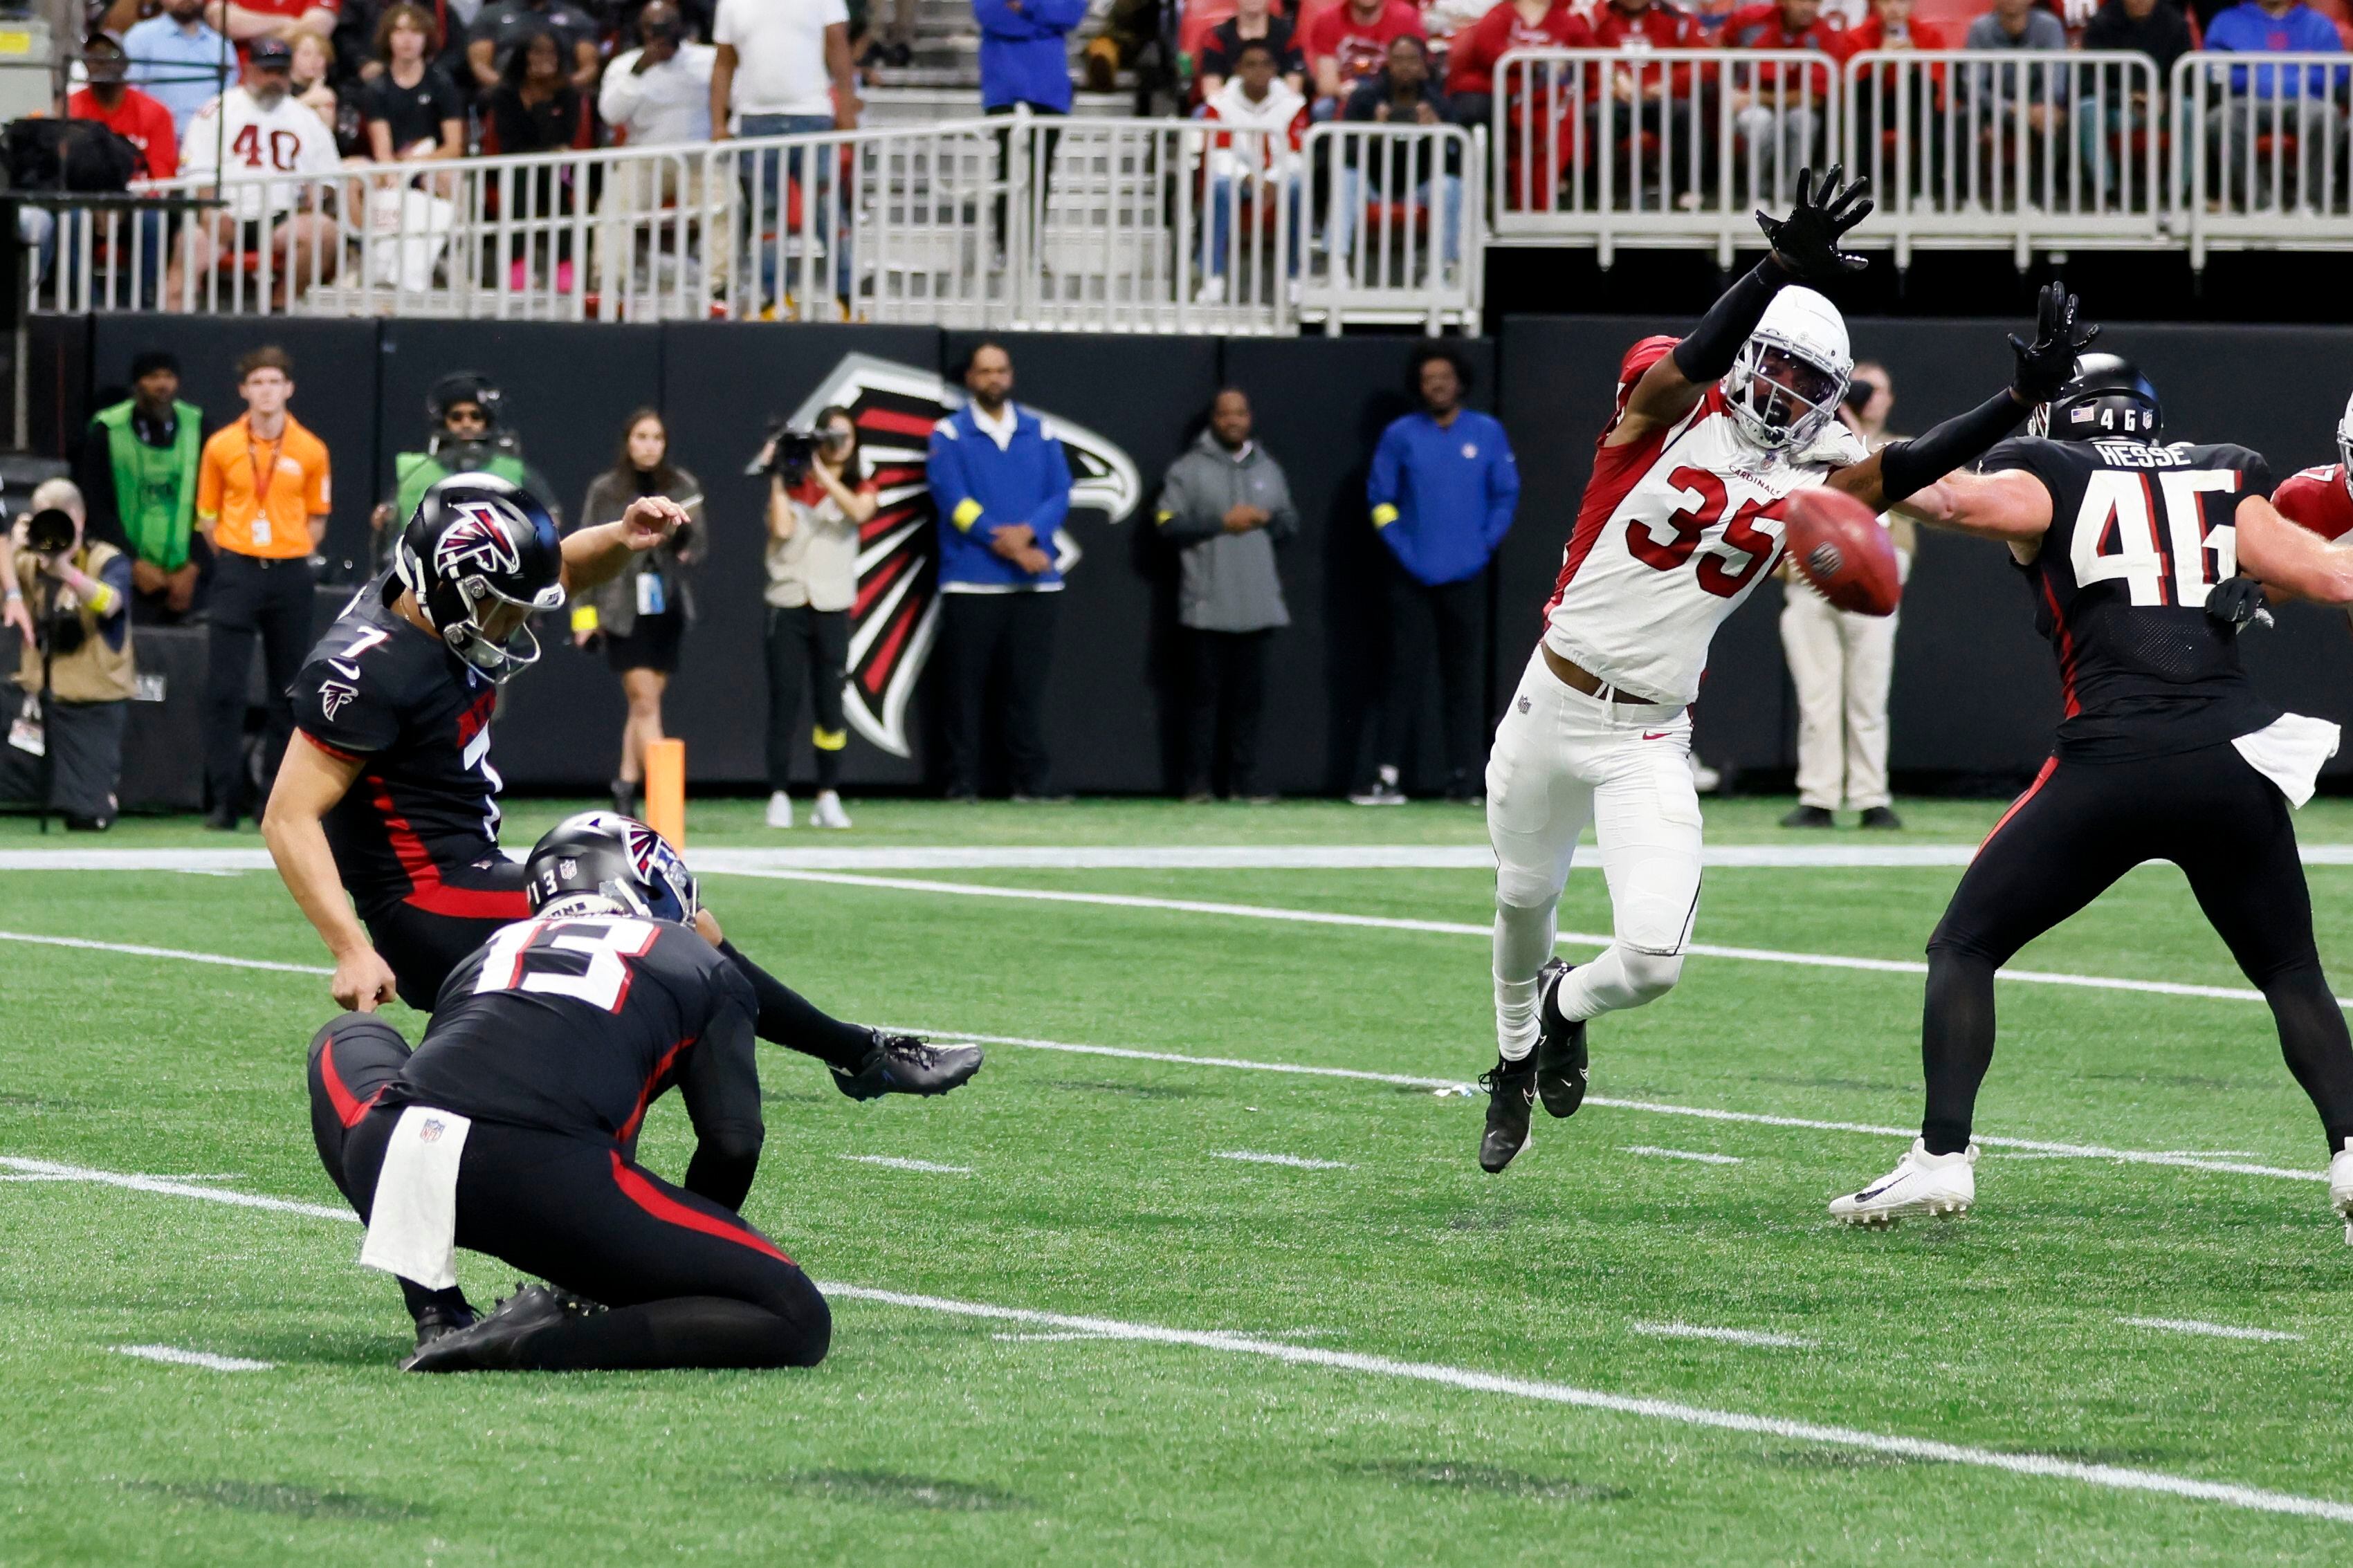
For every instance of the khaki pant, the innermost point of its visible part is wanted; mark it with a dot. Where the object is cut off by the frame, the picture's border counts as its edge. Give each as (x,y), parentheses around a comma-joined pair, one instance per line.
(1841,664)
(647,201)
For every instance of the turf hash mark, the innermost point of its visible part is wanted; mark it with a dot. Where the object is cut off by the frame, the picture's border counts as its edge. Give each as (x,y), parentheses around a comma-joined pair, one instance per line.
(896,1163)
(172,1355)
(1251,1156)
(1727,1336)
(2211,1330)
(1691,1154)
(1471,1380)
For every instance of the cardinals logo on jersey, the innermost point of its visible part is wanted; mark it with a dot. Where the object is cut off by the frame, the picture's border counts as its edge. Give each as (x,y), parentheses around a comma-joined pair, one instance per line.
(475,543)
(896,613)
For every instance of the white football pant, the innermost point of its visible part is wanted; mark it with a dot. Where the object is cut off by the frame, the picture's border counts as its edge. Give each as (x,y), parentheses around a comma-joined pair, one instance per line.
(1561,760)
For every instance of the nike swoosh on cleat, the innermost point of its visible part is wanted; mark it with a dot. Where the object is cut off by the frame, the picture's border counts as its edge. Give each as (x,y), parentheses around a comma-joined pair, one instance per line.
(1864,1198)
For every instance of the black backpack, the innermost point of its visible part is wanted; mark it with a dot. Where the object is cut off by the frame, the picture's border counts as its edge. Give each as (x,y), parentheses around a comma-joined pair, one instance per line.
(44,154)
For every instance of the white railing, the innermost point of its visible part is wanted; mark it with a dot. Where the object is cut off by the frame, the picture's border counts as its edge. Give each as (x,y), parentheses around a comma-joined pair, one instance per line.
(2260,144)
(1012,223)
(1673,146)
(2017,150)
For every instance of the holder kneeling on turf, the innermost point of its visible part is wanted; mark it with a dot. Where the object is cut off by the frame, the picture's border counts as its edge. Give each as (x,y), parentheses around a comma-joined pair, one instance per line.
(512,1130)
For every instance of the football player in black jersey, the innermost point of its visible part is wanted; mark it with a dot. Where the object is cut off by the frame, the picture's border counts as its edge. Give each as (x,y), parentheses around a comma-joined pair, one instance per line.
(2133,548)
(512,1131)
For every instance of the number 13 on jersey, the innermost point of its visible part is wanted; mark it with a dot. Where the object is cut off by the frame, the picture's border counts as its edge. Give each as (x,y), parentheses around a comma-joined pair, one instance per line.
(2119,536)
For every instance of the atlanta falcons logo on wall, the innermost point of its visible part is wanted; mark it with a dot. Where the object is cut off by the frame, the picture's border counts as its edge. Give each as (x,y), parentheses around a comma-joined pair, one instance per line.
(896,614)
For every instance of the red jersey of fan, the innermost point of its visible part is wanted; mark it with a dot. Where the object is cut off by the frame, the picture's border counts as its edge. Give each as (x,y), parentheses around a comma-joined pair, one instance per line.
(138,120)
(1765,27)
(2317,498)
(1657,26)
(1362,47)
(1870,33)
(1470,63)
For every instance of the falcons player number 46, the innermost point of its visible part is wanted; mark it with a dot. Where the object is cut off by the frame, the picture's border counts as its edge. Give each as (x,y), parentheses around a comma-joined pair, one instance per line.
(1674,530)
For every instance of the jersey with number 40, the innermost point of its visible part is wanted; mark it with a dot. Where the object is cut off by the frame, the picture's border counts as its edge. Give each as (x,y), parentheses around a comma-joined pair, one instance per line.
(1669,539)
(2138,536)
(578,1025)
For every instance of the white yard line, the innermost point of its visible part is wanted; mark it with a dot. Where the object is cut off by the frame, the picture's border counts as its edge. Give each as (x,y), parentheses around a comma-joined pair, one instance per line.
(1254,1158)
(169,1188)
(2113,1477)
(1468,1379)
(2212,1331)
(172,1355)
(2065,1151)
(1682,1154)
(898,1164)
(1728,1336)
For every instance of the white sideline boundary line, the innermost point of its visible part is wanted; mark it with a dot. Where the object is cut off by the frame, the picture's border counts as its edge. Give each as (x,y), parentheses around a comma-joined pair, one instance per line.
(2211,1330)
(1755,1337)
(1755,1119)
(2114,1477)
(2111,1477)
(172,1355)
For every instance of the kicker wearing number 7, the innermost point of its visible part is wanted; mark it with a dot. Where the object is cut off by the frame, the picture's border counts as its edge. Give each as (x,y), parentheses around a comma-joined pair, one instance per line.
(2132,547)
(383,820)
(1677,526)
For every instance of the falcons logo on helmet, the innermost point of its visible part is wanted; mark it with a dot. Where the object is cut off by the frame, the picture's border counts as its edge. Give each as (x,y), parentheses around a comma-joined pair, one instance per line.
(896,614)
(475,543)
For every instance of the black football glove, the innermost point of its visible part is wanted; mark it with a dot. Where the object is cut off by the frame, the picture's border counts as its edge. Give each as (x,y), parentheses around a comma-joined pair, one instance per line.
(2236,603)
(1806,241)
(2048,363)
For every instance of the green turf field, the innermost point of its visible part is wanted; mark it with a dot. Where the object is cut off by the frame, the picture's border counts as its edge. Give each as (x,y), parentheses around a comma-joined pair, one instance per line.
(1125,1347)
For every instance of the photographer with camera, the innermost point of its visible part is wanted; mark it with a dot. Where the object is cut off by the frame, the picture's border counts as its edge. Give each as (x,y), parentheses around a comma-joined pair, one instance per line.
(67,596)
(643,611)
(819,497)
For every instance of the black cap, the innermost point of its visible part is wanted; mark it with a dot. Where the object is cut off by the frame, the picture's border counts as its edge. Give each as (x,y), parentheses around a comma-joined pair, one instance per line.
(269,53)
(148,361)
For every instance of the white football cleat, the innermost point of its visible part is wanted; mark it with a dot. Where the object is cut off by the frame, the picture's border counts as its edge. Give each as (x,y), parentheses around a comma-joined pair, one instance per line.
(780,810)
(1921,1183)
(2340,1187)
(827,812)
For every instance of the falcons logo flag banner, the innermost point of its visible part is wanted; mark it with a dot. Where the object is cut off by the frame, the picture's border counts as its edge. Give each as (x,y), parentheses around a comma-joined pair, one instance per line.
(896,614)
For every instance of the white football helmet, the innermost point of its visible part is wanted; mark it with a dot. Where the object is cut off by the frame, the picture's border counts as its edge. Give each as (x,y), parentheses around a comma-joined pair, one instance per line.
(1791,372)
(2345,443)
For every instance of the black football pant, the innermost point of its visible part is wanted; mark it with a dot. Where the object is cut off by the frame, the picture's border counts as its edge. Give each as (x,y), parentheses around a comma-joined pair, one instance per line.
(252,599)
(1007,638)
(2080,828)
(451,912)
(1445,626)
(807,647)
(686,1282)
(1225,692)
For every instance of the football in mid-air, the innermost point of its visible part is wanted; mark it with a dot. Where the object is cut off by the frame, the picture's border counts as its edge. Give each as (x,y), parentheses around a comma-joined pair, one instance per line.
(1842,549)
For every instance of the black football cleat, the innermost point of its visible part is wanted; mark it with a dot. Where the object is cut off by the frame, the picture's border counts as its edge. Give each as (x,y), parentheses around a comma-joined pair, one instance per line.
(499,1342)
(1560,1045)
(438,1321)
(1511,1089)
(904,1064)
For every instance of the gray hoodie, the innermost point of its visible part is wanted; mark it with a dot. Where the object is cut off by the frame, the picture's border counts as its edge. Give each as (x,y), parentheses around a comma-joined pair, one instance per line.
(1229,581)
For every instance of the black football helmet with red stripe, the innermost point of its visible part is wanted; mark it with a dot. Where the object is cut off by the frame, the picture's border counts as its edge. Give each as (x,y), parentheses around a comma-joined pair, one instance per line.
(2108,396)
(482,557)
(600,862)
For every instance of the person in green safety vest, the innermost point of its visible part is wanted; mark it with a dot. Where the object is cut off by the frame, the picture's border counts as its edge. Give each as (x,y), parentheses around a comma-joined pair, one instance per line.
(137,470)
(468,433)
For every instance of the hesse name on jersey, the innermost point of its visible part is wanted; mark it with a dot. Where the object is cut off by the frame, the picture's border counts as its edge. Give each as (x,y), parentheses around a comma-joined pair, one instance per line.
(1668,540)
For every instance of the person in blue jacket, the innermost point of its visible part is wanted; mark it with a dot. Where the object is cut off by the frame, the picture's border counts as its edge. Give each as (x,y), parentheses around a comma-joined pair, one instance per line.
(1024,58)
(1443,489)
(2276,100)
(1002,486)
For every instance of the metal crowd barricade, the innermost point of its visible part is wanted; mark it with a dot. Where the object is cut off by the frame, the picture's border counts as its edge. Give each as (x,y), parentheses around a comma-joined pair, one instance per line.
(2259,150)
(2036,149)
(1669,147)
(1400,223)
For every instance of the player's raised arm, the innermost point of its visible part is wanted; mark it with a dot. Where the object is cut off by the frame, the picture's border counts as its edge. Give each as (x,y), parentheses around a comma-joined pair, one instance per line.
(2291,562)
(1805,249)
(592,556)
(1903,470)
(2013,506)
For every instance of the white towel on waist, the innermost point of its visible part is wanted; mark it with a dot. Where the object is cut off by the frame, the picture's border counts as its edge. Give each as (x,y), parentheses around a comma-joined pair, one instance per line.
(413,1226)
(2289,752)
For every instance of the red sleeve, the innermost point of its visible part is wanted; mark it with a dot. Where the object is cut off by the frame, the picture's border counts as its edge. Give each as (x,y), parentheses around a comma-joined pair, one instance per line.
(1299,128)
(162,139)
(1638,358)
(1470,64)
(1925,35)
(1399,21)
(2317,498)
(1739,25)
(1324,38)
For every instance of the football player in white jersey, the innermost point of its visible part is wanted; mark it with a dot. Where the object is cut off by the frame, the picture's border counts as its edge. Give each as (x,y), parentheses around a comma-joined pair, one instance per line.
(1678,524)
(258,127)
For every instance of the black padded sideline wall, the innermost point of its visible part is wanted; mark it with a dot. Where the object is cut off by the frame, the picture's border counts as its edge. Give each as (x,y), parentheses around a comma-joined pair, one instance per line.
(1975,689)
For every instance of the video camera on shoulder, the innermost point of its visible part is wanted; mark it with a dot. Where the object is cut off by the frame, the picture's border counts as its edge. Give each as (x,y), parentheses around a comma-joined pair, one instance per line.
(791,455)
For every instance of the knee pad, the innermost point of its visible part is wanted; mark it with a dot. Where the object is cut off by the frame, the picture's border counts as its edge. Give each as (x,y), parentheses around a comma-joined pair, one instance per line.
(1651,975)
(808,1321)
(1520,889)
(360,1035)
